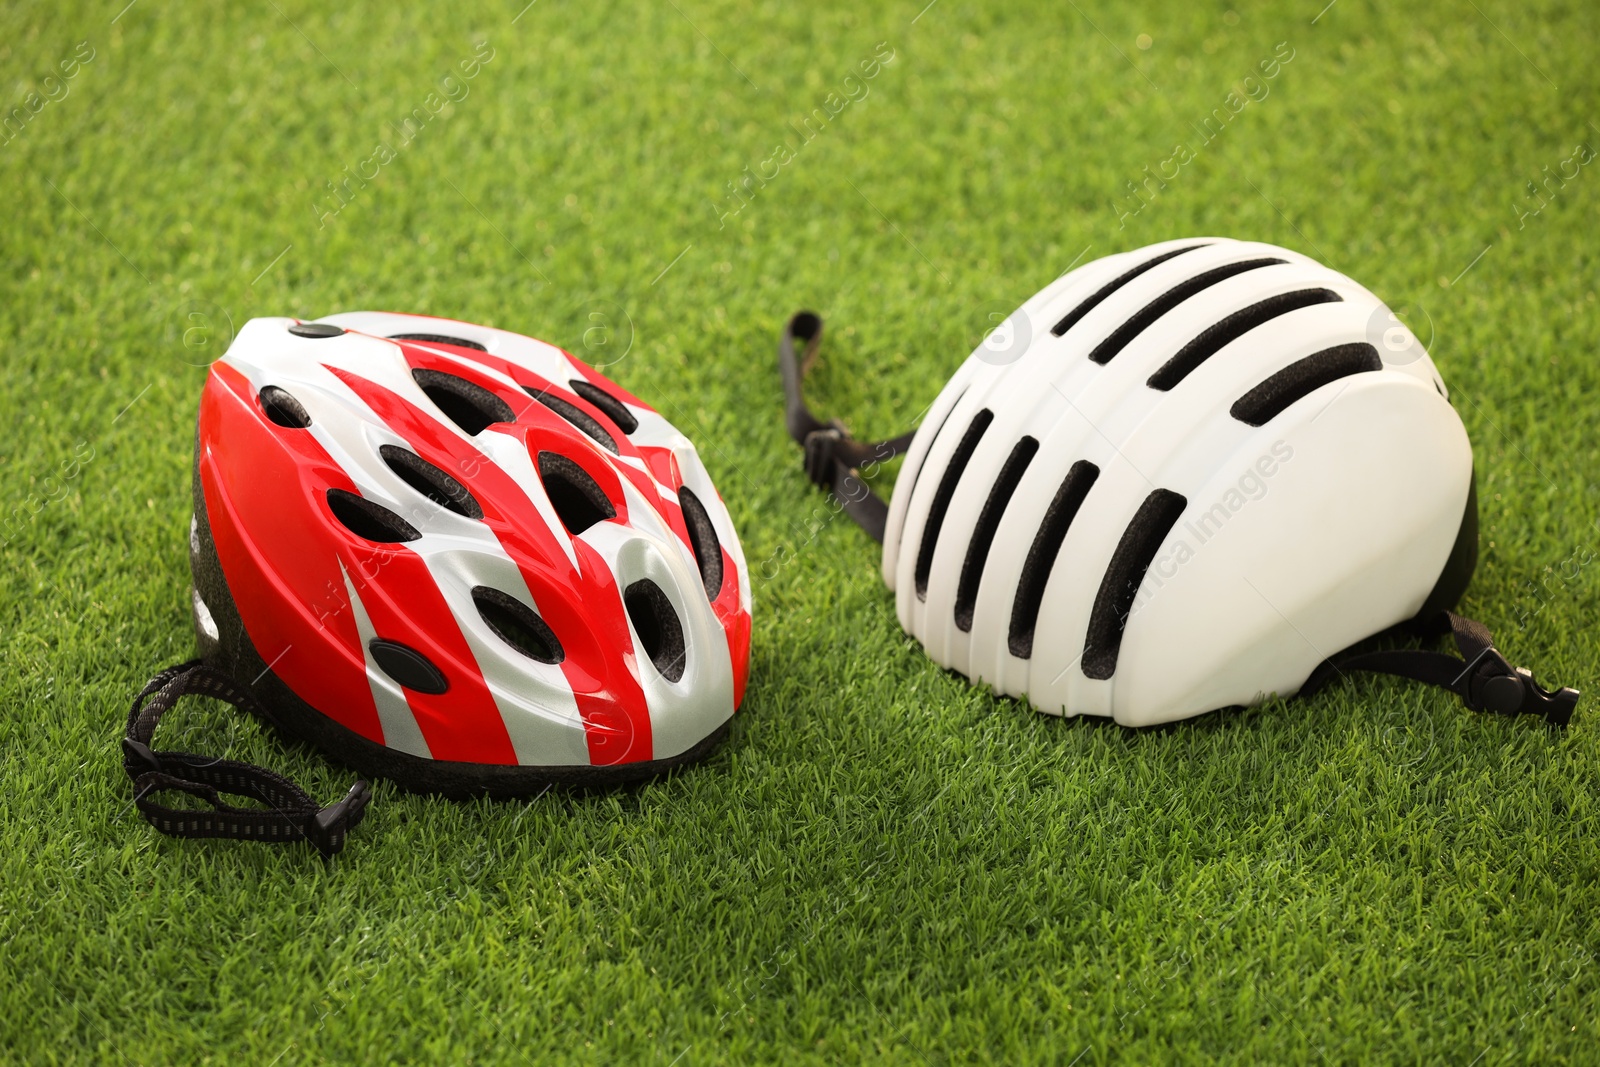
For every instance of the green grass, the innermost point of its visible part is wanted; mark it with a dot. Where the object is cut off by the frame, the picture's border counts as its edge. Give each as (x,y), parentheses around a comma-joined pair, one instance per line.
(882,863)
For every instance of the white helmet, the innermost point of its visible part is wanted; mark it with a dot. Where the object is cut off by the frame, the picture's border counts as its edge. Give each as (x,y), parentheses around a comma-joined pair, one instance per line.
(1179,479)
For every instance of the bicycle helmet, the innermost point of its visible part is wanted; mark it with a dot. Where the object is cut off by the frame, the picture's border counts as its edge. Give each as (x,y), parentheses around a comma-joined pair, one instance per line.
(451,556)
(1179,479)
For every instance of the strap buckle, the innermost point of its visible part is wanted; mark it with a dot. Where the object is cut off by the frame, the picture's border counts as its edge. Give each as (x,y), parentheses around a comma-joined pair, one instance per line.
(1499,687)
(326,829)
(139,760)
(820,461)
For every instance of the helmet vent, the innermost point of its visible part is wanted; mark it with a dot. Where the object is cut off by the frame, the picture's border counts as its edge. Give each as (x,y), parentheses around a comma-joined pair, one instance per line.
(438,339)
(430,481)
(988,521)
(614,409)
(1170,299)
(703,540)
(1100,295)
(1112,604)
(1042,554)
(656,623)
(282,408)
(517,625)
(941,497)
(1303,376)
(467,404)
(1230,329)
(407,666)
(578,499)
(368,519)
(577,416)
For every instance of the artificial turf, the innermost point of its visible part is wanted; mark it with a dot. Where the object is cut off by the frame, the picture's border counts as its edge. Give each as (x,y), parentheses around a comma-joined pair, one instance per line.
(882,862)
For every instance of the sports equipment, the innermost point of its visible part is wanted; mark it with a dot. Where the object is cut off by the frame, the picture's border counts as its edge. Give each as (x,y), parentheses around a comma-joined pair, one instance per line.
(449,555)
(1179,479)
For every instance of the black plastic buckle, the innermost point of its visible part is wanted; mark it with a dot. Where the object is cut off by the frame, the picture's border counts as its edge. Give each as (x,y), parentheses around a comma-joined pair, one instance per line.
(1499,687)
(820,459)
(326,829)
(138,759)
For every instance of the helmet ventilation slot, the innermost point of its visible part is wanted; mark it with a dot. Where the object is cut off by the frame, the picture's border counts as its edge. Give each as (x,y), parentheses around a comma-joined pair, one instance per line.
(1230,329)
(1105,291)
(438,339)
(407,666)
(941,497)
(1302,377)
(703,540)
(1112,604)
(994,510)
(575,415)
(282,408)
(430,481)
(1042,554)
(578,499)
(467,404)
(656,622)
(1136,324)
(517,625)
(368,519)
(614,409)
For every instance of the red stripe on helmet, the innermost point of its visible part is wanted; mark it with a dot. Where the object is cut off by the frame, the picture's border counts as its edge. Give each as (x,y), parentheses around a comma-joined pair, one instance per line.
(406,605)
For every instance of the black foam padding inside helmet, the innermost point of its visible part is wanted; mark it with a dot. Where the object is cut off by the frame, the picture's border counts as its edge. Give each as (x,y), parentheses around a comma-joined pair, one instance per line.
(703,541)
(438,339)
(614,409)
(1303,377)
(1041,559)
(577,417)
(467,404)
(1213,338)
(658,626)
(578,500)
(1112,604)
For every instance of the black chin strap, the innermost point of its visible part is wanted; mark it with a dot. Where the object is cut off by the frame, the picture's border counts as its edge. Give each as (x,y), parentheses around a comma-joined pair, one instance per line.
(834,459)
(1482,677)
(290,813)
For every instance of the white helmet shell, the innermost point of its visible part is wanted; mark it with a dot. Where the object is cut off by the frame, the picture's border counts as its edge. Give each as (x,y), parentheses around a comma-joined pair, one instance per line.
(1180,479)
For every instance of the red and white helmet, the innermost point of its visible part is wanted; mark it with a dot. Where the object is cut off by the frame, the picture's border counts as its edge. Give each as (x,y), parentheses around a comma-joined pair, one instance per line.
(459,558)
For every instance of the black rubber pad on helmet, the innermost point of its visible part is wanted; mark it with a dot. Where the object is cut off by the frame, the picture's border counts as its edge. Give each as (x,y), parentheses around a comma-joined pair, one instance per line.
(407,666)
